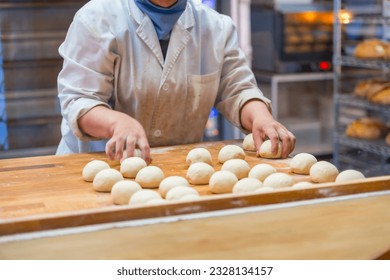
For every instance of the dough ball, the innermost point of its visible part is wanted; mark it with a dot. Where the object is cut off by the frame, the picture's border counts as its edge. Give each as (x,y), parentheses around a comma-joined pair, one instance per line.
(230,152)
(105,179)
(323,172)
(222,182)
(301,163)
(264,190)
(278,180)
(143,196)
(349,175)
(92,168)
(199,173)
(199,155)
(130,166)
(123,190)
(171,182)
(190,197)
(156,201)
(238,166)
(149,177)
(249,144)
(178,192)
(261,171)
(247,185)
(302,185)
(265,150)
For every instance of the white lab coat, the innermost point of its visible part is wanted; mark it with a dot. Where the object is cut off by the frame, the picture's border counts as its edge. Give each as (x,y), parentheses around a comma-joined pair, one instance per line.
(112,57)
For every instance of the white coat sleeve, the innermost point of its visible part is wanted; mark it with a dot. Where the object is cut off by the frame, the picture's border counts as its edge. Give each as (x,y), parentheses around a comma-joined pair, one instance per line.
(86,79)
(238,84)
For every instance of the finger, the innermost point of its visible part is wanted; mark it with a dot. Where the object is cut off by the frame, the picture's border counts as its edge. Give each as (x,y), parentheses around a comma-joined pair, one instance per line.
(110,149)
(257,139)
(292,141)
(286,142)
(274,137)
(119,145)
(145,150)
(130,147)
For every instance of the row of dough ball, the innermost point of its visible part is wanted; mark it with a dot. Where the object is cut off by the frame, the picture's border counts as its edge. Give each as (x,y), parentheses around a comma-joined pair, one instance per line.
(104,177)
(322,171)
(302,163)
(229,152)
(128,168)
(130,192)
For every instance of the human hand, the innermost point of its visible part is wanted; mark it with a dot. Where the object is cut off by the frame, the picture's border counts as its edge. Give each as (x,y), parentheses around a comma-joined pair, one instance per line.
(127,134)
(269,128)
(256,117)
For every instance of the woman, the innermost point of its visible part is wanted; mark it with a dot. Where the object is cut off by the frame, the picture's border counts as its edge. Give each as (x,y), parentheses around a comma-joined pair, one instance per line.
(144,73)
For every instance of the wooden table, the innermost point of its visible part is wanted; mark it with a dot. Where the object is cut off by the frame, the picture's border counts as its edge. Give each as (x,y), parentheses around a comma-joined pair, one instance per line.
(48,212)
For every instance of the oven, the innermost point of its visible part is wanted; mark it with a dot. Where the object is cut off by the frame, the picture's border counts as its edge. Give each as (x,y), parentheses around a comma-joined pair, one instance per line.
(289,37)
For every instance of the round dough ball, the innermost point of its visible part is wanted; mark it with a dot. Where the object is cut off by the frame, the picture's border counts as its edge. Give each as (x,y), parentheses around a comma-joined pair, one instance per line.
(238,166)
(143,196)
(264,190)
(261,171)
(247,185)
(278,180)
(190,197)
(323,172)
(199,173)
(302,185)
(130,166)
(178,192)
(149,177)
(266,152)
(230,152)
(171,182)
(105,179)
(349,175)
(92,168)
(156,201)
(301,163)
(123,190)
(222,182)
(199,155)
(249,144)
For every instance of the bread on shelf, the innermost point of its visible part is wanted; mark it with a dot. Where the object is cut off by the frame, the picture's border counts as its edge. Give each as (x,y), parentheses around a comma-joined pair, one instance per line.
(388,138)
(372,49)
(368,88)
(382,96)
(366,128)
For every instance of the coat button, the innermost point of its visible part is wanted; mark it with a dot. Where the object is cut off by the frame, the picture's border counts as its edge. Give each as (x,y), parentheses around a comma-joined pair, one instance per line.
(157,133)
(165,86)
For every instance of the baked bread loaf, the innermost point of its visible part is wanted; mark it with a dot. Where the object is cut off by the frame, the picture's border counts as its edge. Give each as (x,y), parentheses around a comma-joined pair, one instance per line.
(368,88)
(366,128)
(388,138)
(381,97)
(372,49)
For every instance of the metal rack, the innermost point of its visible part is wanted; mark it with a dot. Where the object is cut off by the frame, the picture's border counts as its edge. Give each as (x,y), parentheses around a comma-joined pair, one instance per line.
(372,157)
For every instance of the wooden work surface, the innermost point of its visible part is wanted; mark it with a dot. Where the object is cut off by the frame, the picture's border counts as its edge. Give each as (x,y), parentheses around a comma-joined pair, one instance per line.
(349,229)
(43,193)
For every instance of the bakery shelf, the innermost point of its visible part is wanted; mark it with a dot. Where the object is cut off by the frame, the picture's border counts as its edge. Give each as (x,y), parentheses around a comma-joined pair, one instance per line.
(362,63)
(369,168)
(348,100)
(378,147)
(370,156)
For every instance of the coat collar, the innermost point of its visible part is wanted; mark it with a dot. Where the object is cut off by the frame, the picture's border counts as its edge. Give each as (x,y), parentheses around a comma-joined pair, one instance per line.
(186,20)
(179,37)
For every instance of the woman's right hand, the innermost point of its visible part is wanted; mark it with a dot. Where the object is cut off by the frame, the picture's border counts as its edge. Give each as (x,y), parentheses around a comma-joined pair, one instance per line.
(125,133)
